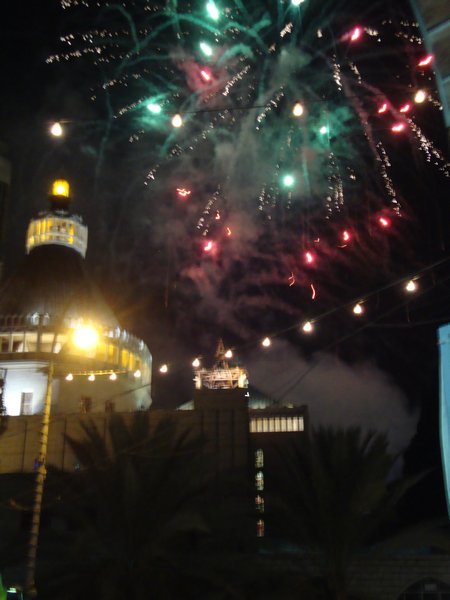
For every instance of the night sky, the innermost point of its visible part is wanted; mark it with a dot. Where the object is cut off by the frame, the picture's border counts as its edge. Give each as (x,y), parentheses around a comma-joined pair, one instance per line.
(146,246)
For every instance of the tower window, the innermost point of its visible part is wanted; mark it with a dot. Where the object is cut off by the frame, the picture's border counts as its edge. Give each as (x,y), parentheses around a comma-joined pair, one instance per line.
(259,481)
(259,458)
(259,504)
(260,528)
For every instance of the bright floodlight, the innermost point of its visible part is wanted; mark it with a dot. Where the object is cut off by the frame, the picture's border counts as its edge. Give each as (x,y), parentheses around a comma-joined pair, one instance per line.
(56,129)
(177,120)
(85,337)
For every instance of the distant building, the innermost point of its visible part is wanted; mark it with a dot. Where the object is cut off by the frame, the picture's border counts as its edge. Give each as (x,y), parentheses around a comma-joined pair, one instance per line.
(45,310)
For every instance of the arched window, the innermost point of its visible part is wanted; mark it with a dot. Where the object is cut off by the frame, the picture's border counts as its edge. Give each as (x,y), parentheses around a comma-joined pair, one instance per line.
(426,589)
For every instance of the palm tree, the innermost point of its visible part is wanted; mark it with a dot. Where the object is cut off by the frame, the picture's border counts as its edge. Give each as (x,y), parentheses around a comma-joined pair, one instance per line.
(339,502)
(128,517)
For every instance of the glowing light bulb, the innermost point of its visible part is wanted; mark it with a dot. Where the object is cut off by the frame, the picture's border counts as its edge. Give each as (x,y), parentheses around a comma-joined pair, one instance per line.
(358,309)
(113,376)
(196,363)
(177,120)
(425,61)
(69,377)
(420,96)
(405,108)
(56,129)
(163,368)
(213,11)
(355,34)
(137,373)
(383,108)
(411,286)
(266,342)
(228,354)
(384,222)
(298,109)
(154,108)
(323,130)
(309,258)
(60,187)
(288,181)
(91,377)
(398,127)
(307,327)
(206,49)
(85,337)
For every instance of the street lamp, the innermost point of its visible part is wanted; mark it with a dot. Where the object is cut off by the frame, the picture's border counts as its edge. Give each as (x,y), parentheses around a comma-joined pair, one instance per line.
(85,338)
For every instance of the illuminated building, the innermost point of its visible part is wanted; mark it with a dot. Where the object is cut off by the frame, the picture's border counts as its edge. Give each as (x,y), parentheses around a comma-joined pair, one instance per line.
(45,307)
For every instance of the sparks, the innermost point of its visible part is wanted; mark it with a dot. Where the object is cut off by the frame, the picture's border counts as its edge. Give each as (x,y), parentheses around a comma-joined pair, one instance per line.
(355,34)
(208,246)
(398,127)
(346,236)
(383,108)
(405,108)
(206,76)
(313,291)
(228,231)
(291,279)
(183,192)
(384,222)
(309,258)
(425,61)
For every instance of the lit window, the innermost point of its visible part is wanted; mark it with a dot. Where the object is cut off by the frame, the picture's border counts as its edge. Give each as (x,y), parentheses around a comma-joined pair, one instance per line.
(259,458)
(259,481)
(260,528)
(259,504)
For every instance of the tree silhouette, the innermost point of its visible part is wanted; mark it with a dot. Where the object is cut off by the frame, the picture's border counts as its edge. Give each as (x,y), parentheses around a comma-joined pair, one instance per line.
(128,517)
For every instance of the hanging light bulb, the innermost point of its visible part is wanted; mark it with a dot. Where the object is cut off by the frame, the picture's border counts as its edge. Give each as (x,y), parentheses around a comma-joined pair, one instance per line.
(358,309)
(91,377)
(137,373)
(298,109)
(266,342)
(56,129)
(69,377)
(163,368)
(420,96)
(307,327)
(113,376)
(177,120)
(228,354)
(196,363)
(411,286)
